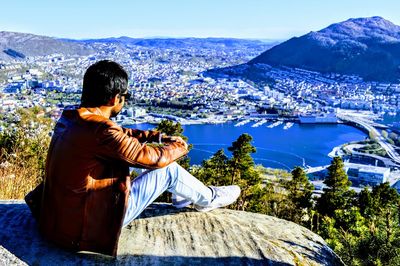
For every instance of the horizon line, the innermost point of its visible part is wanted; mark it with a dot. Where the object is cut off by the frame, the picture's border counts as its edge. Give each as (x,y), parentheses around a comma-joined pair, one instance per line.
(152,37)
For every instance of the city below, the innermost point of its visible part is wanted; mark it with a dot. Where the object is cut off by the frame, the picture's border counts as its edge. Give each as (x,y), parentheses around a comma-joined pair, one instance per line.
(176,83)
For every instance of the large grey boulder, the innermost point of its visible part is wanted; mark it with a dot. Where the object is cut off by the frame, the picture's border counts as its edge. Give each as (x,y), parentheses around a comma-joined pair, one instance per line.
(166,236)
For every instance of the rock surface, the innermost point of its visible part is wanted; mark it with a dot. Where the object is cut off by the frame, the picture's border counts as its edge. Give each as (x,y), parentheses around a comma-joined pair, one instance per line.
(166,236)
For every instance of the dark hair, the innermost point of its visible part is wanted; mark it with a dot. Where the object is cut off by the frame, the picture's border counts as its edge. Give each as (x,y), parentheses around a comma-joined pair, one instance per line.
(102,81)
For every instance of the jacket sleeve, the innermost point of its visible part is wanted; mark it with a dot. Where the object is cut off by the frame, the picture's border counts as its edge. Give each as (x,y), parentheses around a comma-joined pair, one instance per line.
(143,135)
(114,143)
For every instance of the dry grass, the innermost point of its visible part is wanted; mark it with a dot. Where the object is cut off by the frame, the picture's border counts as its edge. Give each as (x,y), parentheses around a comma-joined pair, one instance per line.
(17,179)
(23,149)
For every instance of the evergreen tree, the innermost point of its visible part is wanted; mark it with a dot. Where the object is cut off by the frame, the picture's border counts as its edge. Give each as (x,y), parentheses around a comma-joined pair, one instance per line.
(215,171)
(336,195)
(241,161)
(299,200)
(382,196)
(381,243)
(243,172)
(169,128)
(261,199)
(344,242)
(366,234)
(268,197)
(365,202)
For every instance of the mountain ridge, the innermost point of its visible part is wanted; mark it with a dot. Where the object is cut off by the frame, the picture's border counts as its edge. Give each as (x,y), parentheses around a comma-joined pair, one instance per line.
(185,42)
(16,45)
(367,47)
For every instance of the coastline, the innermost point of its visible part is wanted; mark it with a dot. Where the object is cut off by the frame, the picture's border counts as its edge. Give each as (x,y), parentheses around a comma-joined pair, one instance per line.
(343,117)
(280,147)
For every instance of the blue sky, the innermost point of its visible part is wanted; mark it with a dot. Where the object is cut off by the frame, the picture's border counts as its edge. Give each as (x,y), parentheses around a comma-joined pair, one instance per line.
(259,19)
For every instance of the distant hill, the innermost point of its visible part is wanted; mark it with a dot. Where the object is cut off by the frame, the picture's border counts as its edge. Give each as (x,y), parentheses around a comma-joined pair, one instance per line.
(14,45)
(368,47)
(204,43)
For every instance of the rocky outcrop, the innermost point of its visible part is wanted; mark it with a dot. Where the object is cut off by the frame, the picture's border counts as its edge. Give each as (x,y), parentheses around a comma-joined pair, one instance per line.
(166,236)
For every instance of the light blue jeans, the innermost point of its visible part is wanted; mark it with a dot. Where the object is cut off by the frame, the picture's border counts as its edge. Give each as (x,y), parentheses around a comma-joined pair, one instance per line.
(149,185)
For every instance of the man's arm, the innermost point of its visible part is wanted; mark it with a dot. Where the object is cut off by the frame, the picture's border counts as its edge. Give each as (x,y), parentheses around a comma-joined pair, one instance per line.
(143,135)
(114,143)
(152,136)
(169,139)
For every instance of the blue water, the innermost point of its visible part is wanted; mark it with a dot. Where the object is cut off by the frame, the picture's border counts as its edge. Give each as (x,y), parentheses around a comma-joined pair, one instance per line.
(299,145)
(389,119)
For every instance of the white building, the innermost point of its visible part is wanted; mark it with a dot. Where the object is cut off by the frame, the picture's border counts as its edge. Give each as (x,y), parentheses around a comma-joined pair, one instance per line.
(138,112)
(367,174)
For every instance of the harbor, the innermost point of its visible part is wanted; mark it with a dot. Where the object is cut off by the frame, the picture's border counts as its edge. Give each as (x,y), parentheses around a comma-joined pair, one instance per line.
(301,145)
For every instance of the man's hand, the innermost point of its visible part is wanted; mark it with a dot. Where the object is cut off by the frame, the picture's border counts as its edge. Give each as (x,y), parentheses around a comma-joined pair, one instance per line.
(174,139)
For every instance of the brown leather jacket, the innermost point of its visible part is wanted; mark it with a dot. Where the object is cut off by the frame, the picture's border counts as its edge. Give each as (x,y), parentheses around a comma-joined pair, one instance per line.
(87,179)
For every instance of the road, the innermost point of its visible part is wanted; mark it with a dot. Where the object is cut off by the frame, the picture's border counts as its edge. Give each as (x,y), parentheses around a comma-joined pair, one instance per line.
(378,136)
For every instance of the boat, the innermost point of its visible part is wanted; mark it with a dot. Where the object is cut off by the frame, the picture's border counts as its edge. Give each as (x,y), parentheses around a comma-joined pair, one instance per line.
(288,125)
(324,118)
(277,123)
(259,123)
(241,123)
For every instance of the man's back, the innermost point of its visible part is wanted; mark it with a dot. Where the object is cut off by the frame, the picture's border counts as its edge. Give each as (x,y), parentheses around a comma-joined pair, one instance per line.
(83,185)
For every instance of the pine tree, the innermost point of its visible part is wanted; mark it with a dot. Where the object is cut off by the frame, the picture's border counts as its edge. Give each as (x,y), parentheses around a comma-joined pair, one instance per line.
(215,171)
(381,243)
(336,195)
(169,128)
(299,200)
(241,160)
(243,172)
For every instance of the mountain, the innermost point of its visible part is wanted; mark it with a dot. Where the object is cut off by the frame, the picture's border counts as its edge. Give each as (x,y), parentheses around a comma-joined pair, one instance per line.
(163,235)
(368,47)
(202,43)
(14,45)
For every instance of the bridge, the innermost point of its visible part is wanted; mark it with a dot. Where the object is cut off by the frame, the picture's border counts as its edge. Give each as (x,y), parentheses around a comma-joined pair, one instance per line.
(370,126)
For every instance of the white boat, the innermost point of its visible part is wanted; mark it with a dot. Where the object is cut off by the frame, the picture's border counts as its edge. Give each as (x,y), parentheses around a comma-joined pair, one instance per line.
(277,123)
(288,125)
(241,123)
(259,123)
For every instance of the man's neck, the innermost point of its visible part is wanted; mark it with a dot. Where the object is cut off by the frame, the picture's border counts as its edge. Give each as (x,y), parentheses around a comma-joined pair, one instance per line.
(104,111)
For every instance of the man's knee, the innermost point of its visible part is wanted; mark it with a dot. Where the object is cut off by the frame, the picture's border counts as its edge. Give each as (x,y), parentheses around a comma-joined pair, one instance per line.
(171,168)
(173,165)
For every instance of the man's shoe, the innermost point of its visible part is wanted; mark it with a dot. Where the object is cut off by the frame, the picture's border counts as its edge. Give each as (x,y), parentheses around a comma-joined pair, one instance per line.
(179,202)
(222,196)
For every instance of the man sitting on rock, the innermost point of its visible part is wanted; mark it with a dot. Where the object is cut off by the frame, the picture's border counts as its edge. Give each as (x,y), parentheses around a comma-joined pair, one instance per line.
(88,195)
